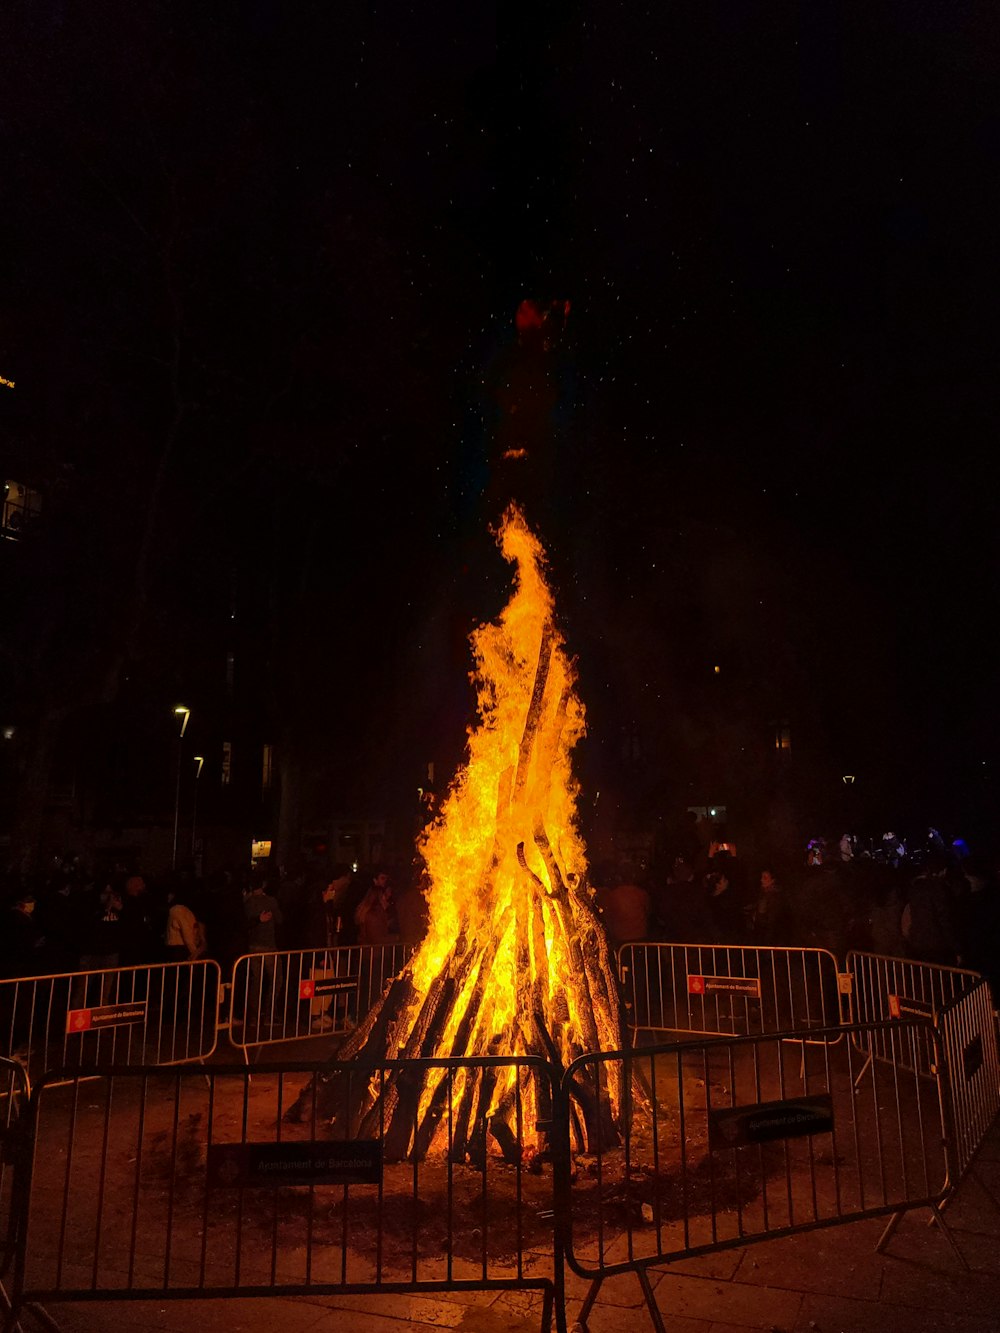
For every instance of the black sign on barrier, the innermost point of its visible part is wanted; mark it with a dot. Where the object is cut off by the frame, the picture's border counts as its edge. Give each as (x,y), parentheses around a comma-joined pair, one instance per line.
(972,1057)
(763,1122)
(902,1005)
(270,1165)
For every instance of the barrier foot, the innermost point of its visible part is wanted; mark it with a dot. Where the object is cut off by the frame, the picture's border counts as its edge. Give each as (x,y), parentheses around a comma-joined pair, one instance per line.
(949,1235)
(651,1305)
(12,1317)
(888,1231)
(10,1320)
(588,1302)
(864,1070)
(547,1310)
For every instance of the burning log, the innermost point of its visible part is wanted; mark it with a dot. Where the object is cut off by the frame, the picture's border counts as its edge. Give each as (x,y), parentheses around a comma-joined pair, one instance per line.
(515,961)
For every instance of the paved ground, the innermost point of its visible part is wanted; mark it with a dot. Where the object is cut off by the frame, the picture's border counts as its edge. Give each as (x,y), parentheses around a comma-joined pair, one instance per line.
(827,1282)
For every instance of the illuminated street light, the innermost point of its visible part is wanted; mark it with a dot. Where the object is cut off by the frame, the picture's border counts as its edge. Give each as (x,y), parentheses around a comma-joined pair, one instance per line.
(184,713)
(199,761)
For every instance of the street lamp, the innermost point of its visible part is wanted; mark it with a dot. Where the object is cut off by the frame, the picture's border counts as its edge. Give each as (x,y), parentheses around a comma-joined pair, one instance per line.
(199,764)
(184,713)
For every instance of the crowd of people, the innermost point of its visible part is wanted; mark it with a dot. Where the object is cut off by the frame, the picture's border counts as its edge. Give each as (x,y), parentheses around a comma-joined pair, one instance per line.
(935,902)
(77,919)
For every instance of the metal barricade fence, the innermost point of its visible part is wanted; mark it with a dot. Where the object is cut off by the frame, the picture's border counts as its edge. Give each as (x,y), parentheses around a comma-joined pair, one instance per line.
(722,1145)
(291,994)
(967,1027)
(883,987)
(196,1183)
(729,989)
(156,1014)
(13,1104)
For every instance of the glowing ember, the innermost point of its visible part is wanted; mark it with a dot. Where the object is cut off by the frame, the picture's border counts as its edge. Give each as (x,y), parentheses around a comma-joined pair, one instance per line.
(515,961)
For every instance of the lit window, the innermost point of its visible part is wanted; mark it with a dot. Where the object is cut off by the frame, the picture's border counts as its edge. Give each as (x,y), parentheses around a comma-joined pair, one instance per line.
(227,762)
(266,774)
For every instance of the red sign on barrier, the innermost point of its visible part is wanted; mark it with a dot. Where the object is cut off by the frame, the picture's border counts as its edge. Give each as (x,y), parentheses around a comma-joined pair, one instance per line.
(699,984)
(316,986)
(106,1016)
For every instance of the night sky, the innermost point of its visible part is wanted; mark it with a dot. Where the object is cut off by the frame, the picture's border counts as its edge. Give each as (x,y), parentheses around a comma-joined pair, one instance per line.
(296,236)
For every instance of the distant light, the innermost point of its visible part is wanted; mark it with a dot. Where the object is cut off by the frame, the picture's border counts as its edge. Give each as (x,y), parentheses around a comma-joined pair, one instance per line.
(717,670)
(848,778)
(712,812)
(354,867)
(5,380)
(8,733)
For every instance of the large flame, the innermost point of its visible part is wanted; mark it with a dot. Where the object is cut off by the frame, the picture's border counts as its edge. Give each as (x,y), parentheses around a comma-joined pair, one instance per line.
(515,961)
(500,797)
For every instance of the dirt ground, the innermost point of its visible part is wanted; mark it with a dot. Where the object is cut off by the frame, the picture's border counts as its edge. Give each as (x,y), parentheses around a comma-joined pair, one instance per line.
(122,1195)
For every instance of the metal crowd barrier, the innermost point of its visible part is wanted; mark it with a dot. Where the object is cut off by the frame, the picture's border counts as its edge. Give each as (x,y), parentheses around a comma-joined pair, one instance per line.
(723,1146)
(156,1014)
(729,989)
(186,1183)
(161,1184)
(292,994)
(967,1026)
(13,1105)
(886,988)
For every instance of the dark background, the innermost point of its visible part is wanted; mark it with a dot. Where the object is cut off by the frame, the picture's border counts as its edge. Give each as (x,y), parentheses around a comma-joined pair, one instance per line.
(259,266)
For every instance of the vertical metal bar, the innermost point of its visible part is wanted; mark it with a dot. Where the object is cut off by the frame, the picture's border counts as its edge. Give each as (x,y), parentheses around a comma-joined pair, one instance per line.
(878,1131)
(736,1153)
(274,1193)
(171,1190)
(209,1138)
(789,1193)
(626,1083)
(102,1176)
(519,1165)
(600,1172)
(486,1210)
(416,1195)
(673,988)
(682,1131)
(346,1199)
(760,1147)
(657,1203)
(810,1146)
(834,1151)
(140,1134)
(381,1193)
(450,1180)
(711,1154)
(311,1207)
(854,1115)
(71,1144)
(239,1197)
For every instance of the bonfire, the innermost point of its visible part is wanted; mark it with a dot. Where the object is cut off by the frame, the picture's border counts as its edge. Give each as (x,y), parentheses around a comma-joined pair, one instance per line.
(515,961)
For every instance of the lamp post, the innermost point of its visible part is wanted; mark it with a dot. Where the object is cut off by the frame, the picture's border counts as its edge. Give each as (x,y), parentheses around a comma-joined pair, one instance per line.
(199,761)
(184,714)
